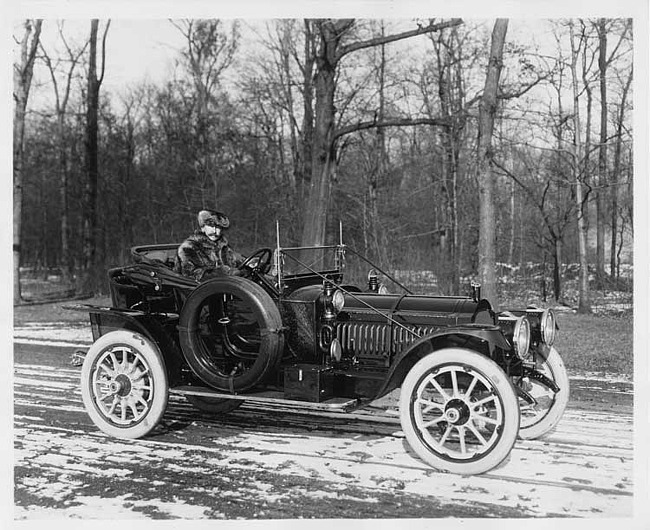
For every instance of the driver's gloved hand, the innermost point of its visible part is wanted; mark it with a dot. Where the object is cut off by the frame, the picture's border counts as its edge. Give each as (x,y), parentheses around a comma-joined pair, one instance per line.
(274,264)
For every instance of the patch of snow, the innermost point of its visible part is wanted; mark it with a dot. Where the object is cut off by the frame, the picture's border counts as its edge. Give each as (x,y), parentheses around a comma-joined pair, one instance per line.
(602,377)
(120,507)
(56,343)
(42,383)
(53,334)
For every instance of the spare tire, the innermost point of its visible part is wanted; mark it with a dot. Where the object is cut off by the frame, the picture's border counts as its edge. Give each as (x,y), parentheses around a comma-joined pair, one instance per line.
(230,332)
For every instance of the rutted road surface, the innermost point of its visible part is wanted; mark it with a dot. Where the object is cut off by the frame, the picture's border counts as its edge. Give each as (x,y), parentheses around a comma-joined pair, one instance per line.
(267,463)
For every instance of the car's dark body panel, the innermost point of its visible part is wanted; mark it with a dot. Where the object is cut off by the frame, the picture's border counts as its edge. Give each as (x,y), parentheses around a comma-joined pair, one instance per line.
(382,335)
(159,328)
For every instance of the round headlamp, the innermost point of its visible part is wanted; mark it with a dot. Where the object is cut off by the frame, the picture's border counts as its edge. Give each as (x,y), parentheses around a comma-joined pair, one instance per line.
(547,325)
(338,300)
(521,336)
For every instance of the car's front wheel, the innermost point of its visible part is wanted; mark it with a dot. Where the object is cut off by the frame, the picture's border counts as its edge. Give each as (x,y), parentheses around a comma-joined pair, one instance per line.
(459,411)
(124,384)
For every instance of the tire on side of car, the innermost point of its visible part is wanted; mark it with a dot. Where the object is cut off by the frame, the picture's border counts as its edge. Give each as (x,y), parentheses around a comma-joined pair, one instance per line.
(196,350)
(459,411)
(541,419)
(124,384)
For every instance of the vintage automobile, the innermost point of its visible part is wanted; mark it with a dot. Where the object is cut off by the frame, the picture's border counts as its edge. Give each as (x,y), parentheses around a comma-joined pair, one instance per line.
(291,329)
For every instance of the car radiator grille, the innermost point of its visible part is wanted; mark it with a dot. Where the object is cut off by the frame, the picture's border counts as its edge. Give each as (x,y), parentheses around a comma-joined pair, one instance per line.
(377,340)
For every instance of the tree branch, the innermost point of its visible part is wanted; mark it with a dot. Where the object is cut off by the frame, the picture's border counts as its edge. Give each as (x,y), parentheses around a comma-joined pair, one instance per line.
(344,50)
(395,122)
(522,90)
(101,77)
(29,57)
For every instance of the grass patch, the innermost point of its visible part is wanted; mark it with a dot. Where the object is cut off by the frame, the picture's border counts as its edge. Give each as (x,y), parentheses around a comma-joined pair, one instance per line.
(596,343)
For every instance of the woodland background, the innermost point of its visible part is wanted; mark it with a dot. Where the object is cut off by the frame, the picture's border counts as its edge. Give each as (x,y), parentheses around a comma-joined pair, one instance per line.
(445,145)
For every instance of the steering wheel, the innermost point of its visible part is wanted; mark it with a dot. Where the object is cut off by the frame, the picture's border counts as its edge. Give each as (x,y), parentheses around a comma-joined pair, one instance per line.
(259,261)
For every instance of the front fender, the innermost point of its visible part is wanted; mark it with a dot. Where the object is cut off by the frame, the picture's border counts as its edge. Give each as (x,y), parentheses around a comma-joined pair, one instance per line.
(484,339)
(106,319)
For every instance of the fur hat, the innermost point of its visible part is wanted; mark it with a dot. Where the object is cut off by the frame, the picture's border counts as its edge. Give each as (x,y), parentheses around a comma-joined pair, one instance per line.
(213,218)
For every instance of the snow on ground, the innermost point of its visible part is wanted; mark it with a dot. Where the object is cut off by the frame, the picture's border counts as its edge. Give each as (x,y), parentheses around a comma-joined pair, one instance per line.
(53,334)
(583,469)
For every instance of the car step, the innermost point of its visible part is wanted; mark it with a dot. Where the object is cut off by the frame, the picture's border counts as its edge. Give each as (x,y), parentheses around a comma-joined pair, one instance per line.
(271,396)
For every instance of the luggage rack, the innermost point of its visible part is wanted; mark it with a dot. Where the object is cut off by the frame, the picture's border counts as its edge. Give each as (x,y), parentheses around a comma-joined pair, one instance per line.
(272,397)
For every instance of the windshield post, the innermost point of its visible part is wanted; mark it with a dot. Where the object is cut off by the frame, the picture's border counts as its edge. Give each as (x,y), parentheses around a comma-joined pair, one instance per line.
(278,258)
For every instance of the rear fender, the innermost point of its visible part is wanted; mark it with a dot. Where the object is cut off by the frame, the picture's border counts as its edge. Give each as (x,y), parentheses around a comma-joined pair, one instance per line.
(106,319)
(482,339)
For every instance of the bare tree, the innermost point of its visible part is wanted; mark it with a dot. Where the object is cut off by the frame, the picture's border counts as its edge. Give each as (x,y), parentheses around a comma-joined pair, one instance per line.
(603,28)
(451,94)
(23,72)
(331,50)
(584,304)
(61,98)
(486,177)
(88,280)
(544,193)
(616,170)
(210,50)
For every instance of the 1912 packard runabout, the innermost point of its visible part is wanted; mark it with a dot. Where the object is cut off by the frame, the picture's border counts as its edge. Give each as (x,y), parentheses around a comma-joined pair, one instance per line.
(291,330)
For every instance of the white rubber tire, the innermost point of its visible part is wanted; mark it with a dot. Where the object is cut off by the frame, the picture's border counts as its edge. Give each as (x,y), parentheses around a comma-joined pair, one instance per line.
(536,426)
(471,426)
(124,384)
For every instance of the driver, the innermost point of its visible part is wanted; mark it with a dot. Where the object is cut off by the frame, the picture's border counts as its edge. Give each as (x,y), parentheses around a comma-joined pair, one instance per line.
(206,253)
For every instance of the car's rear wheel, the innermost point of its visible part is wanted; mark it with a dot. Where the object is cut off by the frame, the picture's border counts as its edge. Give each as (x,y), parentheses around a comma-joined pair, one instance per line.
(124,384)
(541,417)
(214,405)
(459,411)
(230,332)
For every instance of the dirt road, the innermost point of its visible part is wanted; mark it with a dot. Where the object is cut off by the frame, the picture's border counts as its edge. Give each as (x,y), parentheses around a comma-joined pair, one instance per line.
(263,463)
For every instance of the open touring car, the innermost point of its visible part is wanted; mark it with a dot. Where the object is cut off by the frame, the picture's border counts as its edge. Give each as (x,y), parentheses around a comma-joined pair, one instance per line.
(293,329)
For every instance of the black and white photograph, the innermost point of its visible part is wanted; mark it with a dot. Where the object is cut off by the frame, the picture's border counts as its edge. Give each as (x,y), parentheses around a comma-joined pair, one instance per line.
(366,263)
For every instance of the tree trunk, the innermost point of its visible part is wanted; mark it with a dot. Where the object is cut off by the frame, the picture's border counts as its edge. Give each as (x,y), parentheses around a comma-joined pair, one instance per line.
(613,254)
(322,160)
(557,268)
(450,93)
(66,255)
(511,247)
(602,154)
(378,168)
(22,82)
(584,305)
(88,284)
(307,136)
(486,178)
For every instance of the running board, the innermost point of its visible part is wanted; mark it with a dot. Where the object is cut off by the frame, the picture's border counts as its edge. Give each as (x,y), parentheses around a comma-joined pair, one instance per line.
(271,397)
